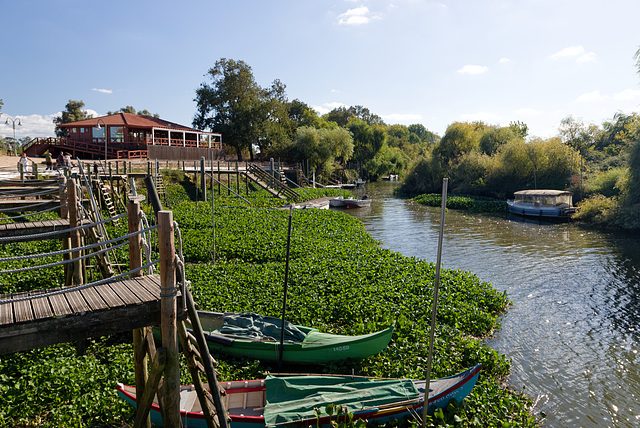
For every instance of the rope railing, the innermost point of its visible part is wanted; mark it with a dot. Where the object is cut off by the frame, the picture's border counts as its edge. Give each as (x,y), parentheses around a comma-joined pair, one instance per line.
(70,250)
(23,207)
(57,207)
(29,195)
(61,231)
(28,189)
(80,287)
(62,262)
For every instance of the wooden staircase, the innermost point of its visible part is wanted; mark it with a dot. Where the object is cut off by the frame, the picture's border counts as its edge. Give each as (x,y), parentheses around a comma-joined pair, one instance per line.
(105,195)
(161,189)
(271,184)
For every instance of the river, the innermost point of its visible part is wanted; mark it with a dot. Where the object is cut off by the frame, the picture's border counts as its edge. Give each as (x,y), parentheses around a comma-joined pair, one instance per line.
(573,330)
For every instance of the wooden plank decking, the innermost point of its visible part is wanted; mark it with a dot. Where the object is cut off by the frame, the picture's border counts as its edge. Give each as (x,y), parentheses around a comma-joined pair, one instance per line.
(21,229)
(121,305)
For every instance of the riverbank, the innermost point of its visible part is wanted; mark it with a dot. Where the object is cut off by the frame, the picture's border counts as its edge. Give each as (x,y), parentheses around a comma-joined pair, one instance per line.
(341,281)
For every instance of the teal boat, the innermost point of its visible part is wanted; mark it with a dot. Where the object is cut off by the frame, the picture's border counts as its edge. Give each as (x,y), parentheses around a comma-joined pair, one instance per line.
(290,401)
(258,336)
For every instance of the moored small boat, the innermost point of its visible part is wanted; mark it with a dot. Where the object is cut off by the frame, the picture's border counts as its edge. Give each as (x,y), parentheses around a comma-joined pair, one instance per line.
(280,400)
(340,202)
(542,203)
(258,336)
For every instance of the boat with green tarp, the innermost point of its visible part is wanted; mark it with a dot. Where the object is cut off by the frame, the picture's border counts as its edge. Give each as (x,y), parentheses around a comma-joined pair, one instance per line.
(258,336)
(291,400)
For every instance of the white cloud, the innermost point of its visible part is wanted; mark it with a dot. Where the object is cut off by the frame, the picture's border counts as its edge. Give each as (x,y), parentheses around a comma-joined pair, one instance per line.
(103,91)
(503,60)
(529,112)
(473,69)
(358,16)
(627,95)
(33,125)
(403,119)
(591,97)
(574,52)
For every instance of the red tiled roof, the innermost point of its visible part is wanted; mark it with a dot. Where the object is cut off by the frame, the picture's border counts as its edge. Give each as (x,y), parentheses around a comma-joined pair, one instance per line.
(129,120)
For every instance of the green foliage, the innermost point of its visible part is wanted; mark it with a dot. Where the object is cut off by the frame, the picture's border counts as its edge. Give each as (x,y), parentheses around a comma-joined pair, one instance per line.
(607,183)
(340,281)
(464,202)
(73,112)
(132,110)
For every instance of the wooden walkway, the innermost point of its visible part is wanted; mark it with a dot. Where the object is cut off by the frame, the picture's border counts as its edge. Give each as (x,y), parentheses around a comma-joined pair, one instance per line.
(21,229)
(122,305)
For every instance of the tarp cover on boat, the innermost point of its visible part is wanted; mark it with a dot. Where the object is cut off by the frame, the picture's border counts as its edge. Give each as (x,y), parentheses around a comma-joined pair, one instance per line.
(255,327)
(293,398)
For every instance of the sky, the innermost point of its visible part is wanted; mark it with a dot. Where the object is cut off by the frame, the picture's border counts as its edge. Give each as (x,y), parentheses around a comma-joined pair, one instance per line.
(408,61)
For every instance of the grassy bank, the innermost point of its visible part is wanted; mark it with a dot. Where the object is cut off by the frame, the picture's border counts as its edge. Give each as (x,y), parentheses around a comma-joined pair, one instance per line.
(340,281)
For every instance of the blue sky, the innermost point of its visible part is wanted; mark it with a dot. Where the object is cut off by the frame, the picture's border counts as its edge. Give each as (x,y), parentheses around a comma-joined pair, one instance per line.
(408,61)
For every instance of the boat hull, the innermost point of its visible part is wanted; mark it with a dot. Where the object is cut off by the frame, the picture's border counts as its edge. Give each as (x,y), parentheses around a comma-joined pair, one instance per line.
(533,211)
(317,348)
(442,392)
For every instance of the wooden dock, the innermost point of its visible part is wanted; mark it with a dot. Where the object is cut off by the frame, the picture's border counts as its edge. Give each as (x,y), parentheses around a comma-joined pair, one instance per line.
(23,229)
(100,310)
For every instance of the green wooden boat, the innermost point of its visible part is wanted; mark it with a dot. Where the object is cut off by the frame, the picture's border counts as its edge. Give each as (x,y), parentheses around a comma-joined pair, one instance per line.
(258,336)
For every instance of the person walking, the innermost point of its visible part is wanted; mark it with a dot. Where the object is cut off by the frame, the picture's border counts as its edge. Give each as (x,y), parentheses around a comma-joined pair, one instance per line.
(60,160)
(47,161)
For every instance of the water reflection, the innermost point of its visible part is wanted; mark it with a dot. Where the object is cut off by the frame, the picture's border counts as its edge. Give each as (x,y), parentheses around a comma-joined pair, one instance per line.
(572,332)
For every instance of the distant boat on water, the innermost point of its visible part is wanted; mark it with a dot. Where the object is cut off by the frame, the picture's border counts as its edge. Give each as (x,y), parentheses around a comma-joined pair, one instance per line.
(542,203)
(340,202)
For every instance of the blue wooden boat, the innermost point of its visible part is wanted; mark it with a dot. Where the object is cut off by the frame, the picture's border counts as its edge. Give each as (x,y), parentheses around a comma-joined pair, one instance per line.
(290,400)
(542,203)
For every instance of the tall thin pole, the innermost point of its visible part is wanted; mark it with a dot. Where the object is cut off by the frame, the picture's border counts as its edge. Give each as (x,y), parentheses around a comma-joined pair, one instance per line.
(434,310)
(286,283)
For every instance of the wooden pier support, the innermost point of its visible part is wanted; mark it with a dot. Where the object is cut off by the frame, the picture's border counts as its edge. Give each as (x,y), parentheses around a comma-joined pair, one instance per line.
(168,322)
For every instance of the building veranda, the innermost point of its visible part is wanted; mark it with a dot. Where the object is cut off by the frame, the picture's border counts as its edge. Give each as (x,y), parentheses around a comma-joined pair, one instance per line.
(129,136)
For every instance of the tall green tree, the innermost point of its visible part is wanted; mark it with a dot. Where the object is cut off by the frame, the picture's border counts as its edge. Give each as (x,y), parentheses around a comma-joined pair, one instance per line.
(73,112)
(322,147)
(233,104)
(368,139)
(132,110)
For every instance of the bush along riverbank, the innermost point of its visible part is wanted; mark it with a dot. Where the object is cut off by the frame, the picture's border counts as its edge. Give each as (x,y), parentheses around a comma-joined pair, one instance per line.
(475,204)
(340,281)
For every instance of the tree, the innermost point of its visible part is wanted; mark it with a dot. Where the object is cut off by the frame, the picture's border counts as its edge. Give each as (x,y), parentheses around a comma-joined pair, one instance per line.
(130,109)
(495,137)
(321,147)
(367,139)
(73,113)
(460,138)
(342,115)
(233,105)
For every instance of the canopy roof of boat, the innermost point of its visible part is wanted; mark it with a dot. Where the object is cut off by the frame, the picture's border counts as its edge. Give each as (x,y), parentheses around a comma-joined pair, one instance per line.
(542,192)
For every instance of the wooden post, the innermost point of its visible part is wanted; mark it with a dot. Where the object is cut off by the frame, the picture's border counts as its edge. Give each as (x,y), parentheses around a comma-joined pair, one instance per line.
(168,321)
(74,236)
(203,181)
(64,214)
(139,348)
(34,171)
(237,179)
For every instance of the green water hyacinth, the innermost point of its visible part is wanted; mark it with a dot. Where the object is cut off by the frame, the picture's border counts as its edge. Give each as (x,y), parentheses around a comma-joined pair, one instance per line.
(340,281)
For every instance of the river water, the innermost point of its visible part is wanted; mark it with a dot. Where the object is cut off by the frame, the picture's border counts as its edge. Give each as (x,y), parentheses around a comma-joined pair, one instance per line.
(574,328)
